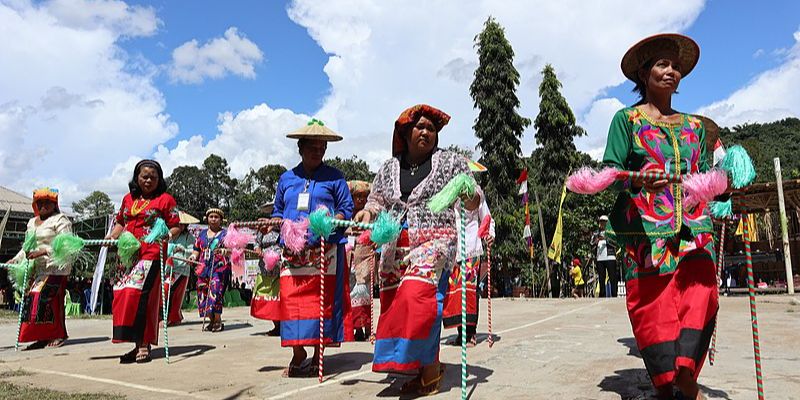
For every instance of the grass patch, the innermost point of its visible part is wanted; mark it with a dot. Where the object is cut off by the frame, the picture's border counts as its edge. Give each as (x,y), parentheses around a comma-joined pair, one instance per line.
(8,315)
(11,391)
(90,316)
(13,373)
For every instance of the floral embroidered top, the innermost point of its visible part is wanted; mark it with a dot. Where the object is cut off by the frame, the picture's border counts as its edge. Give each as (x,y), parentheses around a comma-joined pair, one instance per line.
(637,143)
(138,216)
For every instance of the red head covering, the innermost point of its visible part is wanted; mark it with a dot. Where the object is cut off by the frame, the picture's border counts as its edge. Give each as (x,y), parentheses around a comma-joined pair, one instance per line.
(576,261)
(45,193)
(411,116)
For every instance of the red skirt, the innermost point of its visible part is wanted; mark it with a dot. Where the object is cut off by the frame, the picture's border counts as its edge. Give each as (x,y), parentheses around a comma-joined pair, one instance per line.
(673,316)
(137,300)
(266,301)
(43,312)
(176,299)
(452,302)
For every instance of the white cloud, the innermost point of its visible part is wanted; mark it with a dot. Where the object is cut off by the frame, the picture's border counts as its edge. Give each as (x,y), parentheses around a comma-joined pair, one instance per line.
(596,122)
(388,55)
(71,108)
(231,54)
(114,15)
(769,96)
(249,139)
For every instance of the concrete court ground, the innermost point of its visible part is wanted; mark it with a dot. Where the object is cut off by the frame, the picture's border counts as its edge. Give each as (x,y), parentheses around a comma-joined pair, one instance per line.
(545,349)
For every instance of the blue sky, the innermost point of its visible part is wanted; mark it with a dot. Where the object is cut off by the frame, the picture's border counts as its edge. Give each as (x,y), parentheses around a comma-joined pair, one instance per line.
(179,80)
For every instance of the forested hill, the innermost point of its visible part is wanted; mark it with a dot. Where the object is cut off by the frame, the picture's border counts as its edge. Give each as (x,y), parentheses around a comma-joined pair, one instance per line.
(767,141)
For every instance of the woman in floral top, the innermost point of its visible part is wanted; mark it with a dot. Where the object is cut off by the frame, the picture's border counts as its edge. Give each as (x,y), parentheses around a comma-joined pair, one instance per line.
(137,296)
(414,271)
(668,247)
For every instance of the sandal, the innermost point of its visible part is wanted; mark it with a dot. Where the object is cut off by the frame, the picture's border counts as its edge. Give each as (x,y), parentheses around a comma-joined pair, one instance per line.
(142,358)
(432,387)
(56,343)
(299,371)
(412,385)
(37,345)
(218,328)
(129,357)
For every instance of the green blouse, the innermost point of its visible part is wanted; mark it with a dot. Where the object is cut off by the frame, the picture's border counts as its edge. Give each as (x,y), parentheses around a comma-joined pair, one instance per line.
(637,143)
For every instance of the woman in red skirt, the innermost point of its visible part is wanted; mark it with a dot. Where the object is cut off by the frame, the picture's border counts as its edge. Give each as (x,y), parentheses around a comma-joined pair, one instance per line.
(137,295)
(43,309)
(668,247)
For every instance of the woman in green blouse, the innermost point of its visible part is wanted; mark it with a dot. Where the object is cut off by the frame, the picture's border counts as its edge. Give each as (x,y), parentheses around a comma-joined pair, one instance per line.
(668,247)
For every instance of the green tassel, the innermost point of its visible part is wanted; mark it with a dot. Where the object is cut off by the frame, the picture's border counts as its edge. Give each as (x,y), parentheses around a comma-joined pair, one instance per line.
(157,231)
(460,184)
(320,223)
(128,248)
(30,241)
(739,166)
(385,229)
(17,274)
(722,209)
(67,249)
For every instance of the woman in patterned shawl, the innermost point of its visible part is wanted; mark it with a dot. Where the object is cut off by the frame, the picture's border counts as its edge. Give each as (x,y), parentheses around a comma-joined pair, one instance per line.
(43,313)
(414,270)
(668,247)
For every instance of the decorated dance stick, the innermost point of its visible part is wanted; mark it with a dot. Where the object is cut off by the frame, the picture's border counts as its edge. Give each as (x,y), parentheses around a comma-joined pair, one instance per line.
(712,351)
(68,247)
(751,290)
(384,230)
(164,299)
(24,268)
(739,166)
(254,224)
(463,239)
(372,300)
(484,232)
(699,187)
(460,184)
(322,271)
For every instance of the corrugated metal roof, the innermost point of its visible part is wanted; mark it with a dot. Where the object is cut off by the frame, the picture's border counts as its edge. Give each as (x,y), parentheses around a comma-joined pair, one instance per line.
(18,202)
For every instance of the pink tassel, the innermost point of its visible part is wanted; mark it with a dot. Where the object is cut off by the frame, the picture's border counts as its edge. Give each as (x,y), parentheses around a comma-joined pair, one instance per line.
(295,234)
(236,239)
(589,181)
(364,238)
(237,262)
(271,259)
(348,247)
(703,187)
(483,231)
(198,269)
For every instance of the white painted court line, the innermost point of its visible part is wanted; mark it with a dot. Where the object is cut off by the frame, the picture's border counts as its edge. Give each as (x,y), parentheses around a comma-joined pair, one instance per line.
(118,383)
(360,373)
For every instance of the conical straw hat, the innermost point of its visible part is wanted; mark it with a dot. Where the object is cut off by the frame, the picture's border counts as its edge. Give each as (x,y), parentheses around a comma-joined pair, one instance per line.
(315,129)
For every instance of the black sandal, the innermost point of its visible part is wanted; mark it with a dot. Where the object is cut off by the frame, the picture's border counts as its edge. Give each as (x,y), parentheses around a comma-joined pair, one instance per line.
(129,357)
(37,345)
(218,328)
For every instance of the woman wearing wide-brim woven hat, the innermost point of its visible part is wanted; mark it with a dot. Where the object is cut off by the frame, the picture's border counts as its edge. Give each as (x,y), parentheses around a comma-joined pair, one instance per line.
(668,245)
(301,190)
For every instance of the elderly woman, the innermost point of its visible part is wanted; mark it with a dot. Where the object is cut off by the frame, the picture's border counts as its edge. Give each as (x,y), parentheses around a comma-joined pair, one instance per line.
(361,259)
(668,247)
(302,189)
(215,274)
(137,296)
(43,312)
(414,271)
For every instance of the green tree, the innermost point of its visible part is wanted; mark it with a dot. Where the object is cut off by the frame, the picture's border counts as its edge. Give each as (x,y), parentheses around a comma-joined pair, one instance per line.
(499,129)
(221,186)
(764,142)
(96,204)
(461,150)
(187,185)
(352,168)
(255,189)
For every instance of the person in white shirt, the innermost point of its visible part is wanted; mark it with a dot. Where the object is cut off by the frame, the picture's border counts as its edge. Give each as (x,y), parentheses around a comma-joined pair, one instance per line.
(606,259)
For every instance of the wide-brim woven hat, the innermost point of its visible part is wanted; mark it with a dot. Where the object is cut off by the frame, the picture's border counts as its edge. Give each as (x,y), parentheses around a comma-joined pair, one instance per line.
(647,48)
(187,218)
(315,129)
(712,131)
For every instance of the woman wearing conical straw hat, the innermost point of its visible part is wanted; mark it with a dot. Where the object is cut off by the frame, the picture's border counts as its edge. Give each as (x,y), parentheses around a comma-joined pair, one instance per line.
(301,190)
(668,247)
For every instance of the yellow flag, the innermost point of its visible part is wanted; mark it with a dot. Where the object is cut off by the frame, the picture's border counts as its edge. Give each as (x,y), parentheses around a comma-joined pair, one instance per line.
(751,228)
(554,251)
